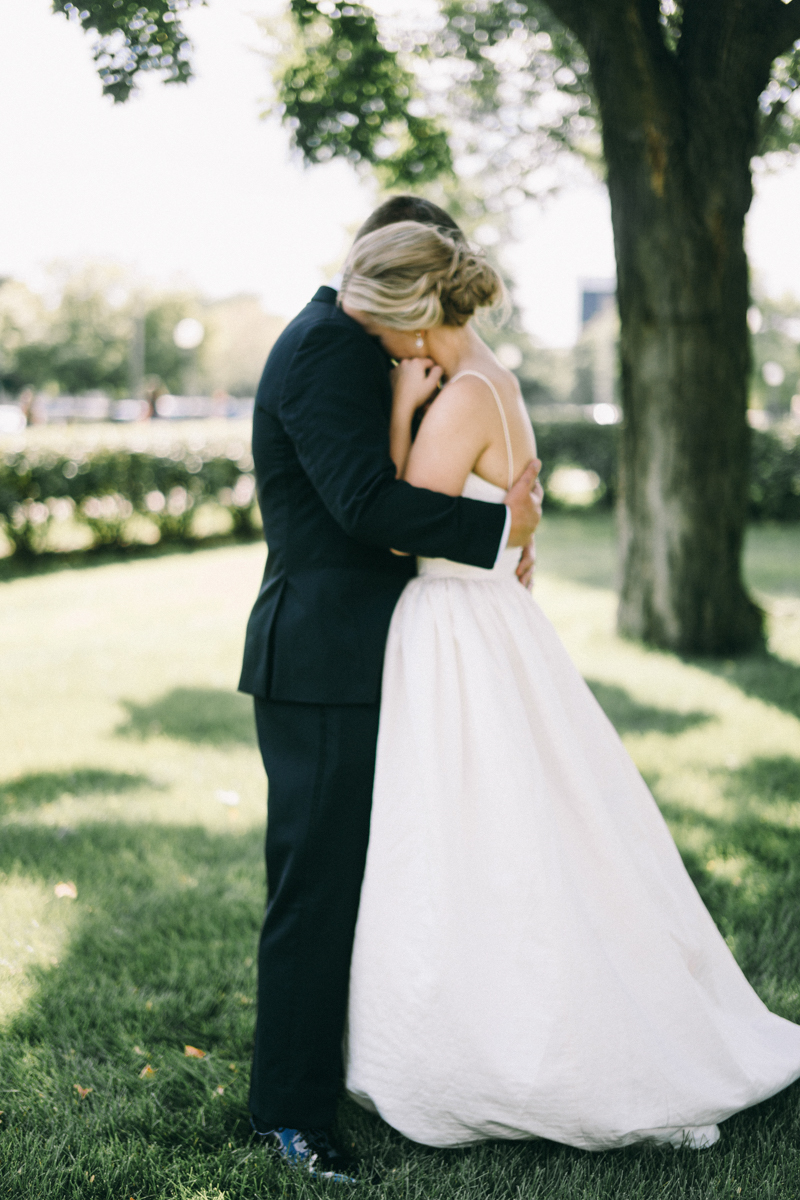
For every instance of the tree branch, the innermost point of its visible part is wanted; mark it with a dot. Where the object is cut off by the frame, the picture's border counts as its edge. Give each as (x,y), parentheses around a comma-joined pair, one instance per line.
(578,15)
(787,24)
(734,44)
(634,71)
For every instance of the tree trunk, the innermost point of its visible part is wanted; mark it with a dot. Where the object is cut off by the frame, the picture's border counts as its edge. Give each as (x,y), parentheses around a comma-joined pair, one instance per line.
(679,132)
(684,459)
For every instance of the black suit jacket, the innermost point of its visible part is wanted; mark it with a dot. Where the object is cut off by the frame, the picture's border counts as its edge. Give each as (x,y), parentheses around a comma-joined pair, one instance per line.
(332,507)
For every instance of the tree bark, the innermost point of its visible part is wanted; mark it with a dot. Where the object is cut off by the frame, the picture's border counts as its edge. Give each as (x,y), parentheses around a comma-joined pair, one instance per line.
(679,132)
(680,191)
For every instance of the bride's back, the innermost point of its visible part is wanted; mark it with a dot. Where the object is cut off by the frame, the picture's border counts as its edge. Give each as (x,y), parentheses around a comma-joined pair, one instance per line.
(477,424)
(492,391)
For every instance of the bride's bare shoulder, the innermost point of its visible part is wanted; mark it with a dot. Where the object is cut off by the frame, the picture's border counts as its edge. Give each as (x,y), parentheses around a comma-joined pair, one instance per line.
(475,389)
(460,401)
(459,411)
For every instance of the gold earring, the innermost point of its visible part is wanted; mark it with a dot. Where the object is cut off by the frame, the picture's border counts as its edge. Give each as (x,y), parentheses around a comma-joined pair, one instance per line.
(419,343)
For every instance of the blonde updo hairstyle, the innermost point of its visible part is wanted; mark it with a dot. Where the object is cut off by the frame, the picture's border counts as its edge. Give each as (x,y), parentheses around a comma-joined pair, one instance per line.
(412,276)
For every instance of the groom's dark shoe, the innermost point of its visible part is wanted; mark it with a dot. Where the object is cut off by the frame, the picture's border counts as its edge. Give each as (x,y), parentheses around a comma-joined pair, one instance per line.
(311,1150)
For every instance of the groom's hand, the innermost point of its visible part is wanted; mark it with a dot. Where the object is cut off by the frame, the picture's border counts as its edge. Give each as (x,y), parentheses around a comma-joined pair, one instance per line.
(524,500)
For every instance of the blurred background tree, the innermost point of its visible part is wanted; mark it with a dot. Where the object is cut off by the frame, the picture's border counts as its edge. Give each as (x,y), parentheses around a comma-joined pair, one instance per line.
(77,344)
(82,338)
(775,326)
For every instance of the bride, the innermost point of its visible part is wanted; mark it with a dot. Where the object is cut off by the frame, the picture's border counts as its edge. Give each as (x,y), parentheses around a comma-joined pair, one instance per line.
(531,957)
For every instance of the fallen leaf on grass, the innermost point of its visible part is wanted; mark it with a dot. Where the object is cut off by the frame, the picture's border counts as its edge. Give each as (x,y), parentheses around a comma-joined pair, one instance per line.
(147,1071)
(82,1091)
(138,1050)
(193,1052)
(66,891)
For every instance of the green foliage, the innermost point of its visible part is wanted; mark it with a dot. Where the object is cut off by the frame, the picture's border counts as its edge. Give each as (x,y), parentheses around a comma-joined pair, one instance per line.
(164,362)
(103,489)
(775,476)
(84,347)
(349,89)
(777,340)
(344,93)
(671,20)
(779,106)
(580,444)
(507,80)
(84,343)
(774,465)
(131,38)
(521,73)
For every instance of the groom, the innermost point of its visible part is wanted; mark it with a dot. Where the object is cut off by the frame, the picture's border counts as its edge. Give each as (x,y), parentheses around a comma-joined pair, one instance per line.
(313,657)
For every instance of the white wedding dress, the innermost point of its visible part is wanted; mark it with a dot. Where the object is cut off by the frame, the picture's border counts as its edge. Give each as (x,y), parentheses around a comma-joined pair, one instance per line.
(531,957)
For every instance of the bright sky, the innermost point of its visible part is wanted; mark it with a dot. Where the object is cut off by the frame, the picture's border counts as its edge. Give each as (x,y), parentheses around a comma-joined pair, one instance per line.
(187,183)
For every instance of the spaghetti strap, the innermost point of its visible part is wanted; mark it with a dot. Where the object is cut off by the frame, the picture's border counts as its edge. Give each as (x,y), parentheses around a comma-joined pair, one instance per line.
(502,411)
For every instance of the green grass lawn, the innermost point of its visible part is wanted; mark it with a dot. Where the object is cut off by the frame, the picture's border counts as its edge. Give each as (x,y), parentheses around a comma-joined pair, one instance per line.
(122,738)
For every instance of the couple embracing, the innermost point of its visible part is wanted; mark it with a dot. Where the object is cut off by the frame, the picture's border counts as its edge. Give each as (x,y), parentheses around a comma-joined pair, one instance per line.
(477,916)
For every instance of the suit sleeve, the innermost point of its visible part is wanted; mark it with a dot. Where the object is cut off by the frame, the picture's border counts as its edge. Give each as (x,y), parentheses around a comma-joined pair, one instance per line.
(335,407)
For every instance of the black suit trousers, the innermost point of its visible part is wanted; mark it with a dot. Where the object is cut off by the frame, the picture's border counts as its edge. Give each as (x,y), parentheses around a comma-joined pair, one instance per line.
(320,761)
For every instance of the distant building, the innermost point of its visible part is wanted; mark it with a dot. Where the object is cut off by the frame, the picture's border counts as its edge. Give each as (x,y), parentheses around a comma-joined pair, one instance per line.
(596,350)
(597,295)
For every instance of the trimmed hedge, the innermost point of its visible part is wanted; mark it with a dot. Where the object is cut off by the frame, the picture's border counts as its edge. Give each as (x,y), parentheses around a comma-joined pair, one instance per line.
(774,471)
(102,488)
(775,475)
(579,444)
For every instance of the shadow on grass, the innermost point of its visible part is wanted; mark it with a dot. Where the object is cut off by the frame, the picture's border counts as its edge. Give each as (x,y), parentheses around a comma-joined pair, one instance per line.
(164,938)
(746,867)
(629,716)
(764,676)
(197,715)
(42,787)
(19,566)
(161,957)
(772,780)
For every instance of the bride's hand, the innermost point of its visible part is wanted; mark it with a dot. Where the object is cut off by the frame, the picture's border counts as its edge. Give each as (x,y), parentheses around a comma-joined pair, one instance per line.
(414,380)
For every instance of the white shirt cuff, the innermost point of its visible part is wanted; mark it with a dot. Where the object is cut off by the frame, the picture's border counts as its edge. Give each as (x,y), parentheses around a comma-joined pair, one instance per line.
(504,539)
